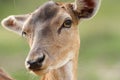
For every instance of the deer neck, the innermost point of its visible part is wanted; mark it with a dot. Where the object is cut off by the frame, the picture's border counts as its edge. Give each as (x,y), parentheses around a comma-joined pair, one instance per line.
(67,72)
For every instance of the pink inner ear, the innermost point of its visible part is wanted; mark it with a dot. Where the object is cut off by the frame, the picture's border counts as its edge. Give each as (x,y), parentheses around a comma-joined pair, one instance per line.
(10,23)
(90,3)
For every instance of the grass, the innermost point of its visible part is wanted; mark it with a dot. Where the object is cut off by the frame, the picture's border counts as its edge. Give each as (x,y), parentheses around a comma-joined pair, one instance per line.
(100,42)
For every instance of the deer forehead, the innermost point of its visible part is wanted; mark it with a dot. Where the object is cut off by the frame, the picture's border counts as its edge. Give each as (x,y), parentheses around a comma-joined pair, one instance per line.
(47,13)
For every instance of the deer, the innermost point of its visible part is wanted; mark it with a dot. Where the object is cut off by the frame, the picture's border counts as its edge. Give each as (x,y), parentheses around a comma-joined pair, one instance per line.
(53,36)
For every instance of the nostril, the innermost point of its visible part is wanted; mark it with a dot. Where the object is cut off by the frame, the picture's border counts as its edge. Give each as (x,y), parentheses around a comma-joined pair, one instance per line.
(35,65)
(30,62)
(40,59)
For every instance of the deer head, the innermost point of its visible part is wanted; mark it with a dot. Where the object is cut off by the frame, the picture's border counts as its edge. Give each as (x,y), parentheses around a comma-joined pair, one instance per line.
(52,32)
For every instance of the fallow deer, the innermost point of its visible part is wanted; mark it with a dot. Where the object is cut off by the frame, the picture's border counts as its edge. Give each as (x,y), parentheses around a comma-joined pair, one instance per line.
(53,36)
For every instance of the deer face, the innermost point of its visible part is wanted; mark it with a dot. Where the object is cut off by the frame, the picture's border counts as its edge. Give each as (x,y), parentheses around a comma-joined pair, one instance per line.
(51,32)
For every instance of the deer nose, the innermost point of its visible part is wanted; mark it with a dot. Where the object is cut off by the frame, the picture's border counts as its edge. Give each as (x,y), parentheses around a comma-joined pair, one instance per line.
(36,64)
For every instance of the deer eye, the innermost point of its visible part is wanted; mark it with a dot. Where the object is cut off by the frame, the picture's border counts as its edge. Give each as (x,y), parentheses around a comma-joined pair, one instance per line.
(24,34)
(67,23)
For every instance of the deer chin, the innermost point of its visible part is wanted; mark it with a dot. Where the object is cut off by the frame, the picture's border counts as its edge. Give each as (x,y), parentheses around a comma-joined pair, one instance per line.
(40,72)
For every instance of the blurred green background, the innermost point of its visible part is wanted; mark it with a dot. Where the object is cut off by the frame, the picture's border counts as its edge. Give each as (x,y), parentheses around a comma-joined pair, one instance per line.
(99,57)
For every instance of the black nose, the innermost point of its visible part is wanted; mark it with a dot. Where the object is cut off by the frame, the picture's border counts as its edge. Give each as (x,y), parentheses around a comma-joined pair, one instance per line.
(35,65)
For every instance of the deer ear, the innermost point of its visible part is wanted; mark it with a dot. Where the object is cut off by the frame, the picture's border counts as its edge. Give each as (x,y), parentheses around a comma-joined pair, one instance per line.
(14,23)
(86,8)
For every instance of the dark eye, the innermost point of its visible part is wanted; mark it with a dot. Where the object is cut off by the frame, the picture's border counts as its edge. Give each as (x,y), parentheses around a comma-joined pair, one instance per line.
(67,24)
(24,34)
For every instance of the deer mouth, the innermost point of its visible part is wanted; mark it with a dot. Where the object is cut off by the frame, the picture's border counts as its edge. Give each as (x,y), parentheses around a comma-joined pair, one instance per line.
(40,71)
(37,69)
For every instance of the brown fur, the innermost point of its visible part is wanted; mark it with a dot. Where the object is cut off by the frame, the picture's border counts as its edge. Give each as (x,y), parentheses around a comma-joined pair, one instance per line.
(4,76)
